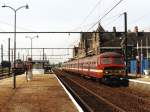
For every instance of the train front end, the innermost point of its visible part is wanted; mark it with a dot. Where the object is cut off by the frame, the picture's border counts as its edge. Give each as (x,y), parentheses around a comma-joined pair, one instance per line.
(113,67)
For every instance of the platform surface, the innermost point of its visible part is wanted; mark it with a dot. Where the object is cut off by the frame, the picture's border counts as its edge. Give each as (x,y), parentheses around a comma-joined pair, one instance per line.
(144,78)
(140,77)
(42,94)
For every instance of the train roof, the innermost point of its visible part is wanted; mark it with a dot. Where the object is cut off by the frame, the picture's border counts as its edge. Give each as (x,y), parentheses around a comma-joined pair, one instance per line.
(102,55)
(108,54)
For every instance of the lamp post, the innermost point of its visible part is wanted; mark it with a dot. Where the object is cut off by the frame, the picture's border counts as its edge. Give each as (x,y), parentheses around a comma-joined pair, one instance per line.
(15,11)
(31,38)
(126,43)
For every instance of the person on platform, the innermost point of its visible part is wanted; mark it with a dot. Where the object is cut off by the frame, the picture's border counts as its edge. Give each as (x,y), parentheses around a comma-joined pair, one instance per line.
(29,69)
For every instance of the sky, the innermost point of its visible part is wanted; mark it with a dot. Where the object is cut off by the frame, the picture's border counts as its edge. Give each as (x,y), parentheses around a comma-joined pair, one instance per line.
(67,15)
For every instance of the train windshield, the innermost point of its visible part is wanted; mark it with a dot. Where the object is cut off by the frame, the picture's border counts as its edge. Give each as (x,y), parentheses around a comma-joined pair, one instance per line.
(111,60)
(118,61)
(106,60)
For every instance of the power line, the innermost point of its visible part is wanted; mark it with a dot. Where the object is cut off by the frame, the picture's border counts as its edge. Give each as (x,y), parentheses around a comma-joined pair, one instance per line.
(84,20)
(106,14)
(99,2)
(110,5)
(116,17)
(83,26)
(17,26)
(48,32)
(140,18)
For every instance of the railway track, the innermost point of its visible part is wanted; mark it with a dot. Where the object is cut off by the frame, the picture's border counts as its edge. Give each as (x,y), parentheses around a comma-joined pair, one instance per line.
(113,99)
(5,75)
(89,100)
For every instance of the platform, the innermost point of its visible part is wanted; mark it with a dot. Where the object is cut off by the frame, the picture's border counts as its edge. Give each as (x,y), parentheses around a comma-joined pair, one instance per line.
(140,81)
(140,77)
(43,94)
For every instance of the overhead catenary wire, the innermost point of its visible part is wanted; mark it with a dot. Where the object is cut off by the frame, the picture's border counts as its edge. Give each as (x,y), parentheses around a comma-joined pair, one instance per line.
(98,3)
(109,7)
(115,18)
(85,19)
(130,23)
(105,14)
(19,27)
(136,20)
(140,18)
(87,25)
(82,27)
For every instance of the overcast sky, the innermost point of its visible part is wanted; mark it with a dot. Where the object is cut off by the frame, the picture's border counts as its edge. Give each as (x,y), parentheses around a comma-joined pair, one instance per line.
(68,15)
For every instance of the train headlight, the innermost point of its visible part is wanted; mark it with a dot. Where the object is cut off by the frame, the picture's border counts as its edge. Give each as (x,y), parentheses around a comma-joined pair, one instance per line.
(106,72)
(120,71)
(100,71)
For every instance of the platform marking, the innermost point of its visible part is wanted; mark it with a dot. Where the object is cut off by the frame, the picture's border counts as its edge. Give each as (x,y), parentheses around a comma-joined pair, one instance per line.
(70,96)
(139,81)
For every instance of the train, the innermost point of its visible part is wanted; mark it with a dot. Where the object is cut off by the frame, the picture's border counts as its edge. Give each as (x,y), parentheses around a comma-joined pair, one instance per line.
(19,67)
(108,67)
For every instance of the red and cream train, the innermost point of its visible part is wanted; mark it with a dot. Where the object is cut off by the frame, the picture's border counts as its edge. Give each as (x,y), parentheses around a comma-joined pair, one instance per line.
(103,66)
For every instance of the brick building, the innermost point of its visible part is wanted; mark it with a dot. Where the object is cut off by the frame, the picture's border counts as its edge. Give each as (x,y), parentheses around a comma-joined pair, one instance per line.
(95,43)
(89,44)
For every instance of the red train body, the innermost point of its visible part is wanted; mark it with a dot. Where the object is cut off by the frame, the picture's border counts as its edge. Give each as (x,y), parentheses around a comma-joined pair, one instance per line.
(105,65)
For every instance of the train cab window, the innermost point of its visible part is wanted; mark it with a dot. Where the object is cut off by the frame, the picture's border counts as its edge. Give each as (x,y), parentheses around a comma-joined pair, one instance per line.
(106,60)
(118,61)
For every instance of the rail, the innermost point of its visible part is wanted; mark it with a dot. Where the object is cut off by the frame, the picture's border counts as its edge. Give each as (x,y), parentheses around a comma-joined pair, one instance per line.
(85,105)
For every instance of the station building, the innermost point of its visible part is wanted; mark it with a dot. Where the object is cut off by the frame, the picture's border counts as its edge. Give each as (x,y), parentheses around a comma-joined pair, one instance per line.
(138,46)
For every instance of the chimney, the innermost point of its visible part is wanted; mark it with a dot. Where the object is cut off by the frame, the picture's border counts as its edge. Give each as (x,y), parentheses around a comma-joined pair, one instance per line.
(136,30)
(114,30)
